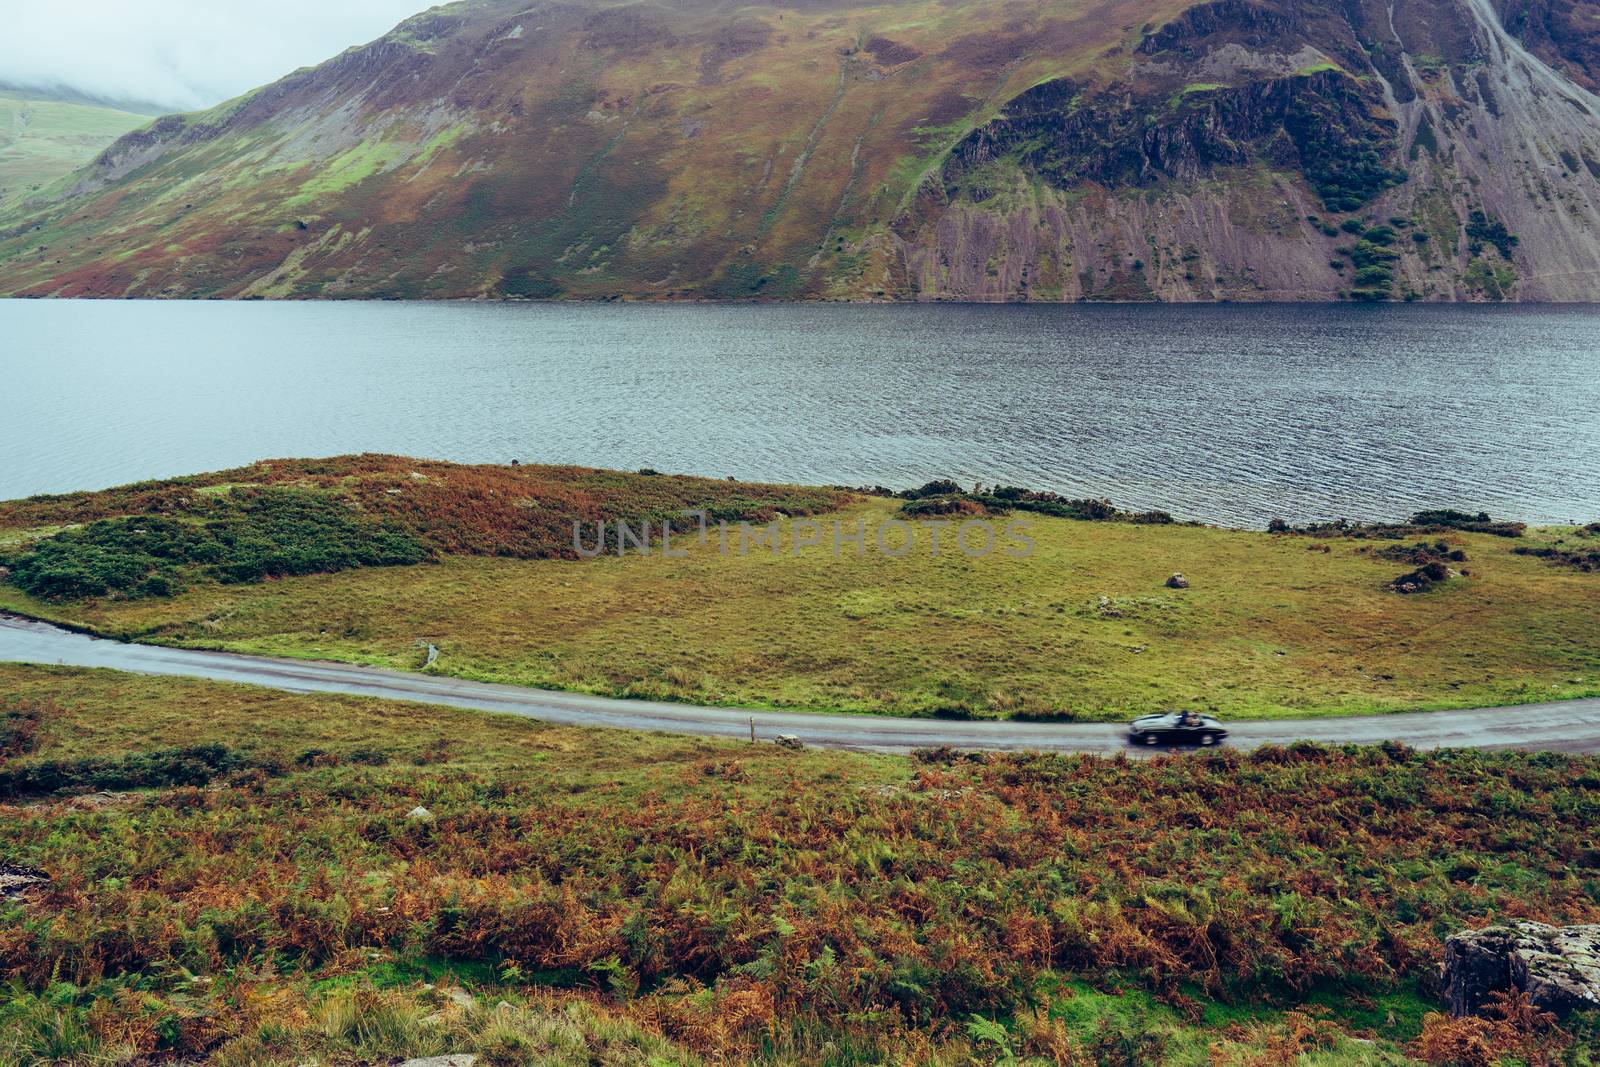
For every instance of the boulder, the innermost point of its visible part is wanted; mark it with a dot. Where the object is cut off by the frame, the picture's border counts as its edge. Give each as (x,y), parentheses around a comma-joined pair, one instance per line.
(1177,581)
(420,814)
(460,1059)
(15,880)
(1558,967)
(788,741)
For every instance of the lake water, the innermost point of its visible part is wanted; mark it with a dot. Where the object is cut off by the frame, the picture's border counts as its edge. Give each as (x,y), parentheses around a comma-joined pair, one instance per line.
(1229,414)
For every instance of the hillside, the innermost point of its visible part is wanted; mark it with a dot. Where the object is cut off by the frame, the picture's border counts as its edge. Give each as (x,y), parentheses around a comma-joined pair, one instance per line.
(231,876)
(933,149)
(369,559)
(42,139)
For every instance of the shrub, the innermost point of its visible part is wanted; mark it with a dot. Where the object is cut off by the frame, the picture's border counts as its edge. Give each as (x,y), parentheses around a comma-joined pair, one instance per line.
(1423,578)
(930,507)
(1461,520)
(1481,230)
(317,516)
(1510,1029)
(1585,560)
(254,535)
(937,487)
(19,725)
(195,765)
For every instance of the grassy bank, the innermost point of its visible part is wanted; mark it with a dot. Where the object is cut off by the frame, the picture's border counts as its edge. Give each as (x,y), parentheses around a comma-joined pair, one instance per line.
(1083,627)
(236,876)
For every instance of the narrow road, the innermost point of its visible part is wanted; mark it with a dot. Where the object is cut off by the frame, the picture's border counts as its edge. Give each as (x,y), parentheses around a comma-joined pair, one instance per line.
(1568,726)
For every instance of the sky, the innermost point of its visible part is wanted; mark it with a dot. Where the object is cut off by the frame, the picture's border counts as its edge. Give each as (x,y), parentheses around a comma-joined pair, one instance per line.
(181,54)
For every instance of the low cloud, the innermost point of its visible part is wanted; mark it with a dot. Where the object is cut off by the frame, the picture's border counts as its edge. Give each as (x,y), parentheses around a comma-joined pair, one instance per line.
(182,54)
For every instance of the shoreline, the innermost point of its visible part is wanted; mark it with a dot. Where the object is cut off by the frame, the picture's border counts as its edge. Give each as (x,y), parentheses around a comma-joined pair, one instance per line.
(669,301)
(1302,528)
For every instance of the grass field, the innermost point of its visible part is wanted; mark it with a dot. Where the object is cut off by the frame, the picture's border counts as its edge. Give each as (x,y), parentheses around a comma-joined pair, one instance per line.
(41,140)
(235,878)
(1084,627)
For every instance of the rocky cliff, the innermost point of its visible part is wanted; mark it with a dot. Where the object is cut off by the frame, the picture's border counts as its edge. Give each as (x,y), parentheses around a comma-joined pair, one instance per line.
(951,149)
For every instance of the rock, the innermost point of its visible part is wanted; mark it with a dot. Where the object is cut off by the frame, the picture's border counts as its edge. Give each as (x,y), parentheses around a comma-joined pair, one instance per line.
(16,880)
(1177,581)
(789,741)
(419,814)
(460,1059)
(1557,966)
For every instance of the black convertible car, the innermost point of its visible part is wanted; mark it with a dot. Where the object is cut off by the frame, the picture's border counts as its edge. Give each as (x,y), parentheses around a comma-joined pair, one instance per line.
(1176,727)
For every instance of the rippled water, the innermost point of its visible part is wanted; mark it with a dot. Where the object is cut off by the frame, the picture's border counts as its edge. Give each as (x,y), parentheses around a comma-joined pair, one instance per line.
(1228,414)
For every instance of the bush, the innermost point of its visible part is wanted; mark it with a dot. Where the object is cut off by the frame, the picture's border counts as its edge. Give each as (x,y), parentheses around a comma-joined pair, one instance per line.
(1422,579)
(315,516)
(254,534)
(1585,560)
(1481,230)
(930,507)
(195,765)
(19,726)
(1461,520)
(937,487)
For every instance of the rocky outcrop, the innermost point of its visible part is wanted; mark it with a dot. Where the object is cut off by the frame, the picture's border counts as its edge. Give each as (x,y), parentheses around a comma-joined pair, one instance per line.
(16,880)
(1558,967)
(1324,124)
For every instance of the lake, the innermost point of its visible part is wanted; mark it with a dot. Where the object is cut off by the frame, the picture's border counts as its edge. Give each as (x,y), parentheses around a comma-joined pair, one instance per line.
(1229,414)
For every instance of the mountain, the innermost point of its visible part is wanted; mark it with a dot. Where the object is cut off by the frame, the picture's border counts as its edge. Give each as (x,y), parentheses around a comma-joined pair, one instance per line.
(934,149)
(44,136)
(66,94)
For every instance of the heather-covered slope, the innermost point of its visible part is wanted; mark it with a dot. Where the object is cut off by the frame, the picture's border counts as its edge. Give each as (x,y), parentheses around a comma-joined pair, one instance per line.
(964,149)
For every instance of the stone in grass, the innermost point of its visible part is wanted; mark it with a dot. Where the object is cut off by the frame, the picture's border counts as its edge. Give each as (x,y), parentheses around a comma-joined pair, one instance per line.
(460,1059)
(1558,967)
(1177,581)
(419,814)
(789,741)
(15,880)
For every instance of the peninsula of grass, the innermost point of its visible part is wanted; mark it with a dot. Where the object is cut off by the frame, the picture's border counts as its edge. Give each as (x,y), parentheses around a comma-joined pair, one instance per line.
(371,559)
(201,873)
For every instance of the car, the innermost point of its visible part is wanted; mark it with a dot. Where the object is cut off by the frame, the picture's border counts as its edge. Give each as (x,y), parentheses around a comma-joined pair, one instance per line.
(1176,727)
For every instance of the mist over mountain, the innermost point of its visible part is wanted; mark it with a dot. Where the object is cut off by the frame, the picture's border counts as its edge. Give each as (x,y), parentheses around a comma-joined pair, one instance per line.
(67,95)
(155,56)
(824,149)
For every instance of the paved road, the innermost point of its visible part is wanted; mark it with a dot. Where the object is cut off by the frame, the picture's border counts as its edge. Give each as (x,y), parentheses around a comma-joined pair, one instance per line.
(1569,726)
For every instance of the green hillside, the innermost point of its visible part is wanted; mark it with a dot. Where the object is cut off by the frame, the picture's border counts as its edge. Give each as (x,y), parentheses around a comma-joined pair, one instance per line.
(43,140)
(1039,150)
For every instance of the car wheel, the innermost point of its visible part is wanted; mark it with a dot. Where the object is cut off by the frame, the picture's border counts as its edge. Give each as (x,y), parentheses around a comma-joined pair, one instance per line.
(1208,739)
(1149,739)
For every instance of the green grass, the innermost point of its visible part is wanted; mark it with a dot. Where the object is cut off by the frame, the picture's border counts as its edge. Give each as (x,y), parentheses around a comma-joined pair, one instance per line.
(583,896)
(1271,626)
(42,140)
